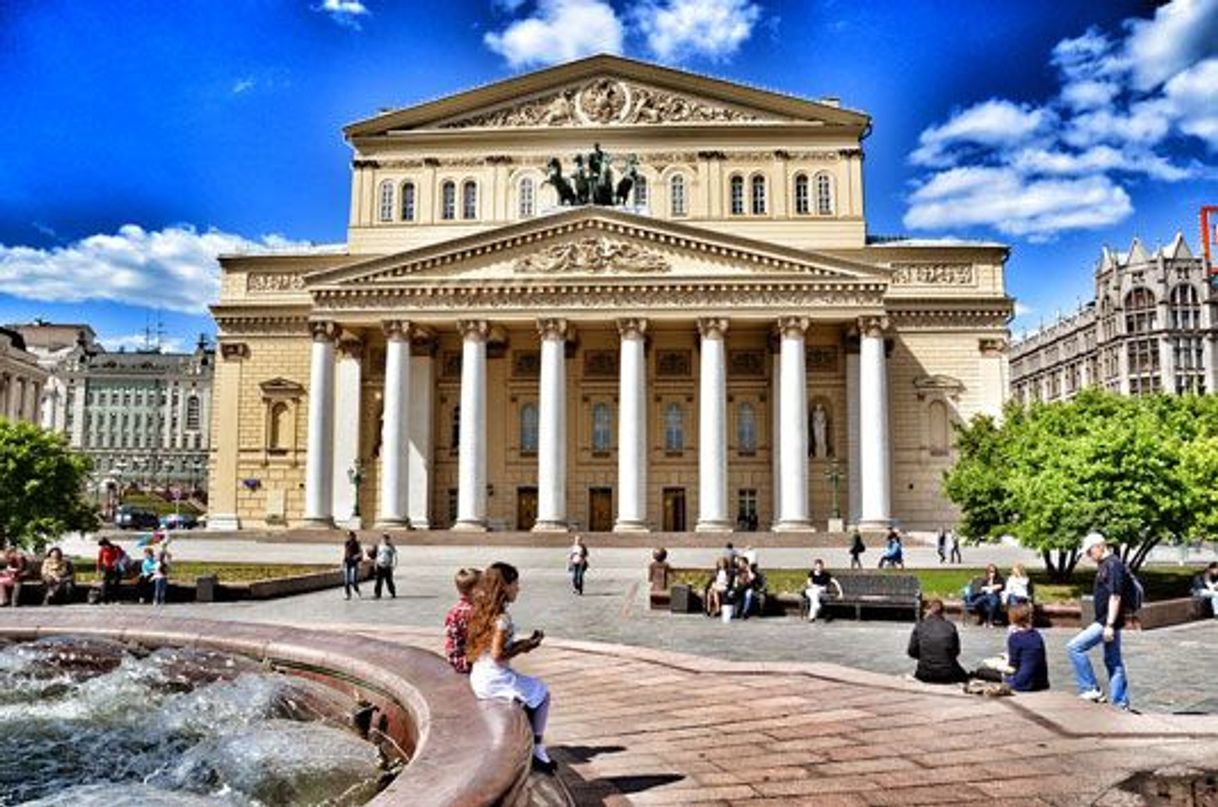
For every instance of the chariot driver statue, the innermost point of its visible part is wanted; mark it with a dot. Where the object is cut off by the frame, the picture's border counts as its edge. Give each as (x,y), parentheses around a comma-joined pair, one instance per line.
(592,179)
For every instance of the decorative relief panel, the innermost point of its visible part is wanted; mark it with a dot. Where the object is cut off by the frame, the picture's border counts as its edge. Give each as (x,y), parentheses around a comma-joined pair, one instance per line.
(746,363)
(674,364)
(526,364)
(600,364)
(604,101)
(821,359)
(450,364)
(933,274)
(655,159)
(592,255)
(271,282)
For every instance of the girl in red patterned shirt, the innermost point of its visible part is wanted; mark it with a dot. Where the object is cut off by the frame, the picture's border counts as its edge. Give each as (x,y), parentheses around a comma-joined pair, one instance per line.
(456,623)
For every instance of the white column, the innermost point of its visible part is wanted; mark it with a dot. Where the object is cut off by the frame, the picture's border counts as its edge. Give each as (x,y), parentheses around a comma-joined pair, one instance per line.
(873,417)
(776,431)
(419,475)
(347,410)
(552,429)
(471,457)
(632,429)
(793,424)
(712,429)
(854,471)
(395,443)
(319,461)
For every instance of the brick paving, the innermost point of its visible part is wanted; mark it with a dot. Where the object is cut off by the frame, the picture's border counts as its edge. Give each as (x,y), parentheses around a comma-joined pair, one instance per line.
(646,727)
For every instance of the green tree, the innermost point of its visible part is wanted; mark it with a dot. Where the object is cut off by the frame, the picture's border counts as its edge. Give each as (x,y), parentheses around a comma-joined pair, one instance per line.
(41,487)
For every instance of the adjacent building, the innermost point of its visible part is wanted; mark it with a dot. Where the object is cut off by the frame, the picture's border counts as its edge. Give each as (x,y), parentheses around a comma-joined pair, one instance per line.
(21,379)
(57,346)
(720,347)
(1151,328)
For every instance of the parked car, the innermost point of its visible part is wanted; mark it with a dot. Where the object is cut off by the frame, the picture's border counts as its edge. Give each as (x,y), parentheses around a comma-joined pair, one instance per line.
(179,521)
(130,517)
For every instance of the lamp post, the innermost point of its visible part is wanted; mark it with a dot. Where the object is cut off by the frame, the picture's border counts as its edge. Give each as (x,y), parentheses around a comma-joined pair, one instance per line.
(834,475)
(356,476)
(194,475)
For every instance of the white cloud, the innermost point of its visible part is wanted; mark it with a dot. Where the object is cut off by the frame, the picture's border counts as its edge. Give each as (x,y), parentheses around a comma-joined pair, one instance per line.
(244,85)
(993,123)
(138,341)
(1193,97)
(1007,201)
(173,268)
(345,12)
(558,31)
(1023,309)
(676,29)
(1181,34)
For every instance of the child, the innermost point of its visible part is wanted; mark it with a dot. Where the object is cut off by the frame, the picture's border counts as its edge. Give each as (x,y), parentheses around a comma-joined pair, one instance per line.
(147,572)
(456,623)
(493,643)
(160,578)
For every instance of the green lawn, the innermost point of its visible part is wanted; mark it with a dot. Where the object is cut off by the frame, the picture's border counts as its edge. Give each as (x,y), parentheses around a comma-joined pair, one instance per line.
(156,504)
(1161,582)
(187,571)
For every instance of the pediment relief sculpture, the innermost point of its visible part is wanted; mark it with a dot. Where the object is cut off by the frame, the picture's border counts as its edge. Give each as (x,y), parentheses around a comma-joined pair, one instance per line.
(592,255)
(604,102)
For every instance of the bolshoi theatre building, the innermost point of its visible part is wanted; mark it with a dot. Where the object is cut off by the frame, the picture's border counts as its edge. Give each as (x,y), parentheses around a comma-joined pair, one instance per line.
(604,296)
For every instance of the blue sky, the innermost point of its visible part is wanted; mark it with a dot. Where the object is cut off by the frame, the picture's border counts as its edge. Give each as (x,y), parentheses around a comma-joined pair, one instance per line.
(140,138)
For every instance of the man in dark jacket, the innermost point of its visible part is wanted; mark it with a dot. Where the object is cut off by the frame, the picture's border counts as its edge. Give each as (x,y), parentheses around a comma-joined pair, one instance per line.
(1205,587)
(936,645)
(1111,581)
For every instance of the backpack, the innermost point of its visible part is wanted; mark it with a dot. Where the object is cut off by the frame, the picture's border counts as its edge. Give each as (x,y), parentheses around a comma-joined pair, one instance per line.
(1134,594)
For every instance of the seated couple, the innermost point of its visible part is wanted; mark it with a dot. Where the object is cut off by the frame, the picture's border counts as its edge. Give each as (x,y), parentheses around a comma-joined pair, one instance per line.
(990,594)
(936,646)
(739,584)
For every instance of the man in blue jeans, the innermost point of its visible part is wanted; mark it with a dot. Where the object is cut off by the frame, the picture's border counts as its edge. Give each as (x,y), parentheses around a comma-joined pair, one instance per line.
(1110,581)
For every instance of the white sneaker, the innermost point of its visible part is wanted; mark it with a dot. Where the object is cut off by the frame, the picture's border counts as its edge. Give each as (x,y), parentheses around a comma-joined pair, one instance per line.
(1094,696)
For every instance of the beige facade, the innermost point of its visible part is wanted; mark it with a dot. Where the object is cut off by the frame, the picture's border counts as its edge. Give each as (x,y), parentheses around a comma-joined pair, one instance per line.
(21,379)
(490,359)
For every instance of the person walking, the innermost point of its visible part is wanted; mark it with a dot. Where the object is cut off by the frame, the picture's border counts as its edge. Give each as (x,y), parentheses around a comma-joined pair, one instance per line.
(1111,582)
(385,562)
(857,548)
(353,553)
(577,565)
(941,545)
(953,546)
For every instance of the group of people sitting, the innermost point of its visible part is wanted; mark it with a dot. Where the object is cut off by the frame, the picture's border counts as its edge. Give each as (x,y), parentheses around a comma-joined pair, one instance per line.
(738,588)
(991,595)
(935,644)
(58,576)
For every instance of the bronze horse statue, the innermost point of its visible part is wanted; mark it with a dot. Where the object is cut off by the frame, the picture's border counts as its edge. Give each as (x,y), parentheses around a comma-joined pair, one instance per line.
(566,193)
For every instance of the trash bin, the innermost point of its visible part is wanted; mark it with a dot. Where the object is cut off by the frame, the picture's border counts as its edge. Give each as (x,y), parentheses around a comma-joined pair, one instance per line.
(680,599)
(205,588)
(727,611)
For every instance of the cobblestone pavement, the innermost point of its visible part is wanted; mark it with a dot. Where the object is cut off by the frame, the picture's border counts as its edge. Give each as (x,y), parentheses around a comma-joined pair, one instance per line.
(650,728)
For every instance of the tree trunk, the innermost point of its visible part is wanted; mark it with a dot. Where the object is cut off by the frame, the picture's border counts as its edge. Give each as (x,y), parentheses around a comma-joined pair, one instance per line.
(1061,569)
(1143,552)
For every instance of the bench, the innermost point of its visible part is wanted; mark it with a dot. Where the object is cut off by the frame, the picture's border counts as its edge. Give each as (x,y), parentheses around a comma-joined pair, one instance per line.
(866,590)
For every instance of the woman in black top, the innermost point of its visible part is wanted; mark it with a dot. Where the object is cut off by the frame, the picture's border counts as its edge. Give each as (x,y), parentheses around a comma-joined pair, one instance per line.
(352,555)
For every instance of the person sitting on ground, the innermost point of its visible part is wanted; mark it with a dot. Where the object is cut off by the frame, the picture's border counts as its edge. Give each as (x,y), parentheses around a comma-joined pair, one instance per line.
(1205,587)
(58,578)
(819,581)
(857,548)
(493,645)
(160,577)
(719,584)
(456,622)
(112,565)
(1018,587)
(894,553)
(16,567)
(987,596)
(936,645)
(353,554)
(1027,668)
(144,585)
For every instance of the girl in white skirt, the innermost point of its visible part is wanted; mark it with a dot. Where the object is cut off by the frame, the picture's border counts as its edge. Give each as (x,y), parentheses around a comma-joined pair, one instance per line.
(493,643)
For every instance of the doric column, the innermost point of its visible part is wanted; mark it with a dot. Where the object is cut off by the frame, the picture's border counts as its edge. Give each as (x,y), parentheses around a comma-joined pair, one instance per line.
(347,411)
(395,441)
(854,477)
(422,363)
(873,417)
(319,462)
(632,429)
(775,429)
(793,426)
(552,429)
(471,458)
(712,428)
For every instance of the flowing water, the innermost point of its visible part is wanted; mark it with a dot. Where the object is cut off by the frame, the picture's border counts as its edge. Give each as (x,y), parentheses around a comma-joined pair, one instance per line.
(87,723)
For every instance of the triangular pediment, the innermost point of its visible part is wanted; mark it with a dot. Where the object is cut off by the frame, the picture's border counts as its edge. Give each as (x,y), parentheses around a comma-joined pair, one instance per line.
(607,91)
(593,244)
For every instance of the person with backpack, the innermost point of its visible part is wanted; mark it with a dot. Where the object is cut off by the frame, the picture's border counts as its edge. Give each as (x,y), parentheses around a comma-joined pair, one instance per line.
(1117,595)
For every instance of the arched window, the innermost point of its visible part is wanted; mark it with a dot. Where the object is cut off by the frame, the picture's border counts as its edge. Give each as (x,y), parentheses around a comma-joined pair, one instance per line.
(1139,310)
(448,201)
(1185,308)
(939,431)
(407,201)
(386,201)
(736,194)
(640,191)
(469,200)
(528,429)
(746,429)
(602,428)
(526,198)
(676,201)
(454,437)
(758,195)
(802,207)
(279,426)
(824,195)
(192,413)
(674,428)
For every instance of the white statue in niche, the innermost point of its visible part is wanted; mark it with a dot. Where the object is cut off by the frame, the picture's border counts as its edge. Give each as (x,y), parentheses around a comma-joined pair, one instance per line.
(820,440)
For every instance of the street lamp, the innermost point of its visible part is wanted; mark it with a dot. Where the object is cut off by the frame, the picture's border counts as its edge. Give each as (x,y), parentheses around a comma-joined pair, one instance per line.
(834,476)
(194,475)
(354,473)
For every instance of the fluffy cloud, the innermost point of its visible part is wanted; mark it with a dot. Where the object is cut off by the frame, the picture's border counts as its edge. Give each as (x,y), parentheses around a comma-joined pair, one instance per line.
(1128,102)
(345,12)
(558,31)
(139,341)
(173,268)
(714,29)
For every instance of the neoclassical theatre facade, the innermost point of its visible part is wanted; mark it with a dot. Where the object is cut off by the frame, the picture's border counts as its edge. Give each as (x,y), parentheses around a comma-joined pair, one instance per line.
(720,347)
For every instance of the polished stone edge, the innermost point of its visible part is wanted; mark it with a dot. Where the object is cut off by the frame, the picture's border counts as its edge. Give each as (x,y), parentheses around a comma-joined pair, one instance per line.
(466,753)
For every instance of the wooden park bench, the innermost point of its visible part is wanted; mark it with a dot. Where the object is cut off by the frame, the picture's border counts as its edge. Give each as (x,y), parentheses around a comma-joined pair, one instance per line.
(870,591)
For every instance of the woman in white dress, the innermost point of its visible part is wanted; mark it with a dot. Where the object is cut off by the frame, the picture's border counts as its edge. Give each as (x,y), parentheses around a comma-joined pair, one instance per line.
(493,644)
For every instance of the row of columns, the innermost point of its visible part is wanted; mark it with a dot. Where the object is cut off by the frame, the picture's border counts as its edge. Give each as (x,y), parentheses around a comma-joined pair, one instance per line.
(19,398)
(324,468)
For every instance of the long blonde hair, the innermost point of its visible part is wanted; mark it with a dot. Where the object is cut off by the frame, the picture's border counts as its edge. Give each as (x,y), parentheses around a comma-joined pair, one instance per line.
(490,601)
